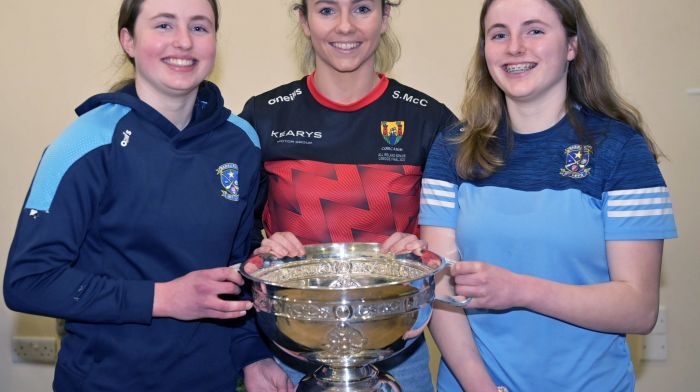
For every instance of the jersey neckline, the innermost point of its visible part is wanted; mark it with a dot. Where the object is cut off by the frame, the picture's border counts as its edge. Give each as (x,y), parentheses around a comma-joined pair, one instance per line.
(372,96)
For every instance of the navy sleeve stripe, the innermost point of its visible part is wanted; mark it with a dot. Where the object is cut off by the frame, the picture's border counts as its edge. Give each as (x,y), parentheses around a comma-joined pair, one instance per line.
(439,193)
(627,192)
(92,130)
(246,127)
(641,202)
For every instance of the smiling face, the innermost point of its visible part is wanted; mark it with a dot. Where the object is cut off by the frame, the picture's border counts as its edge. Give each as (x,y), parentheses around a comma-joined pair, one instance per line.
(173,46)
(344,33)
(527,51)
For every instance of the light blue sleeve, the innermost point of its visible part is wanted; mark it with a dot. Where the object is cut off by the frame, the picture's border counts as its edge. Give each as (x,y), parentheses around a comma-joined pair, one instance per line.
(90,131)
(636,203)
(246,127)
(438,201)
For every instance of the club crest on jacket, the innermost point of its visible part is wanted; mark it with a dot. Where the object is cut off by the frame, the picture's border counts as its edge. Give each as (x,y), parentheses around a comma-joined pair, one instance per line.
(228,175)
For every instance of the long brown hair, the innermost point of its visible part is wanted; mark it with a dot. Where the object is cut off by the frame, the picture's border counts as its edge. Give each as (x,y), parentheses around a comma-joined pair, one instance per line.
(128,13)
(589,83)
(387,54)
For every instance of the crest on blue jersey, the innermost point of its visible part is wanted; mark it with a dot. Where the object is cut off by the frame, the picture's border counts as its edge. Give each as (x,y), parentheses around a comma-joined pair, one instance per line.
(577,159)
(228,175)
(392,131)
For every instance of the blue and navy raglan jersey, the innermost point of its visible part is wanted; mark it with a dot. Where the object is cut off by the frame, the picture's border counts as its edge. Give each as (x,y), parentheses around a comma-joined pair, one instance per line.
(121,200)
(548,212)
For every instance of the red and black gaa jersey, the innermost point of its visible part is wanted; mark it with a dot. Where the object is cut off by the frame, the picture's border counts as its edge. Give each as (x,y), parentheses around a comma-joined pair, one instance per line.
(344,173)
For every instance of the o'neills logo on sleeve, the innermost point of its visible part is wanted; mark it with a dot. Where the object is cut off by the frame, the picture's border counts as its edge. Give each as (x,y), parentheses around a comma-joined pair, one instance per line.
(296,136)
(284,98)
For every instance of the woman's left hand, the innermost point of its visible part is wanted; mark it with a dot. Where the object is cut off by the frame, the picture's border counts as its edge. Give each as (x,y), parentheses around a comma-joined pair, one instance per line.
(266,376)
(403,243)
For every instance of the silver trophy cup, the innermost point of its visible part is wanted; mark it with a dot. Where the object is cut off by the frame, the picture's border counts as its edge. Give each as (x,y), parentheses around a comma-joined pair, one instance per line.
(343,306)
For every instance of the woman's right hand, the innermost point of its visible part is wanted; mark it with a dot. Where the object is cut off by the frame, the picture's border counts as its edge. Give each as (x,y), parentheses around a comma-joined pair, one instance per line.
(489,286)
(199,295)
(281,244)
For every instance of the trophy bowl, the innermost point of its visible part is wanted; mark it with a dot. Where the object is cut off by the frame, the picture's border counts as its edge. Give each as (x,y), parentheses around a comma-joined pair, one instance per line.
(343,306)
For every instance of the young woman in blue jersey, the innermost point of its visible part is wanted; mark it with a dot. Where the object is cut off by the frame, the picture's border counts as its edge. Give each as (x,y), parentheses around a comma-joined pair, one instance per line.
(134,215)
(552,197)
(344,147)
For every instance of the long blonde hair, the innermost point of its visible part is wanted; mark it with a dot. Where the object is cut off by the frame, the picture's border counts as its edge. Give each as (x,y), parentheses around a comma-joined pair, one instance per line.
(386,55)
(589,83)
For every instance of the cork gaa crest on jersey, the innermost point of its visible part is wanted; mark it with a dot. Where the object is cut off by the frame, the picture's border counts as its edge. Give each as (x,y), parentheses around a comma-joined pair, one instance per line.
(577,159)
(392,131)
(228,176)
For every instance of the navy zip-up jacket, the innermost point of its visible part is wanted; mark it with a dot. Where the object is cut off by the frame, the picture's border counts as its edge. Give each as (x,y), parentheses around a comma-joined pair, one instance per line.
(121,200)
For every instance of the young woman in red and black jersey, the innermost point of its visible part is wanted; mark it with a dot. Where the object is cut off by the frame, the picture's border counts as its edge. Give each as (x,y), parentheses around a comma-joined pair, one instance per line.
(344,147)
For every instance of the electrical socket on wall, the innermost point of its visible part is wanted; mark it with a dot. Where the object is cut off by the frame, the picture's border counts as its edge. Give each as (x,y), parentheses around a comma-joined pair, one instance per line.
(655,346)
(42,349)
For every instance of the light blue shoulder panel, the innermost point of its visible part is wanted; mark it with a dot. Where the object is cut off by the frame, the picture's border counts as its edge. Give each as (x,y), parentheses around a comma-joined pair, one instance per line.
(92,130)
(246,127)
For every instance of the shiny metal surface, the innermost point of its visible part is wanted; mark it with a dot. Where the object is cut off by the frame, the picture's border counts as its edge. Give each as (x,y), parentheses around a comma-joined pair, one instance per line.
(343,306)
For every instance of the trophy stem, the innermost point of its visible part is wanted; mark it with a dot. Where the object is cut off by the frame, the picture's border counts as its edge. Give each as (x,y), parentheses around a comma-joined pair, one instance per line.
(348,379)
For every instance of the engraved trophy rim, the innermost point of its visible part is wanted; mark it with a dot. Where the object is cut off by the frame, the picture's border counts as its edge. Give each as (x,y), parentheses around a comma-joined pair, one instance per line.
(431,262)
